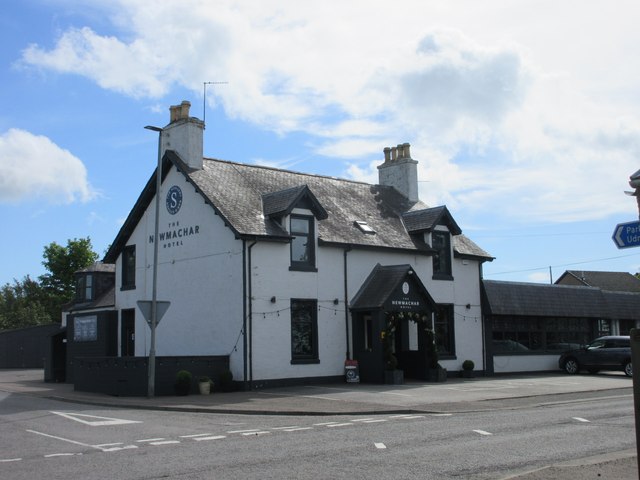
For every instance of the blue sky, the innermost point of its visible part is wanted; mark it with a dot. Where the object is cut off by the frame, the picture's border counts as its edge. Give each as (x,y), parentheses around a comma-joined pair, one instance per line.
(523,115)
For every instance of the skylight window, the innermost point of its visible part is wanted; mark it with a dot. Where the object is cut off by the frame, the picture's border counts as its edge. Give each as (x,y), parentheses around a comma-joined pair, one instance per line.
(364,227)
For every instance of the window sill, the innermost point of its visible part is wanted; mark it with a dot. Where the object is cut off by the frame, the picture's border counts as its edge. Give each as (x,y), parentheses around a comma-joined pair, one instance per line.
(302,268)
(127,287)
(442,276)
(304,361)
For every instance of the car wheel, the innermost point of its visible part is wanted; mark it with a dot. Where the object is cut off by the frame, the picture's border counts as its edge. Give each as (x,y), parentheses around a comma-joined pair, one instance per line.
(571,366)
(628,369)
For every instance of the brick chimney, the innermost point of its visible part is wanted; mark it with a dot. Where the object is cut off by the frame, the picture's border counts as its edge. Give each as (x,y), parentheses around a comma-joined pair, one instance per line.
(184,135)
(399,170)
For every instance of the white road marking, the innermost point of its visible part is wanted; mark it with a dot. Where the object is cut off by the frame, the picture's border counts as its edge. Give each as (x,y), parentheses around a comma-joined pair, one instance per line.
(101,422)
(7,460)
(64,439)
(244,431)
(164,442)
(380,446)
(375,421)
(147,440)
(213,437)
(109,444)
(117,449)
(361,419)
(482,432)
(580,419)
(51,455)
(339,425)
(285,428)
(323,424)
(411,417)
(297,429)
(196,435)
(259,432)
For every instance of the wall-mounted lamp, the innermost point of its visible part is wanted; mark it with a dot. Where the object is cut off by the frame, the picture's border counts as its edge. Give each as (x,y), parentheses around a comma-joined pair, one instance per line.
(468,306)
(336,301)
(273,299)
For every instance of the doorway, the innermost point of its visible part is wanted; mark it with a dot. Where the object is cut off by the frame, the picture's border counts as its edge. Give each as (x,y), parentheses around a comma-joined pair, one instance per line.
(128,333)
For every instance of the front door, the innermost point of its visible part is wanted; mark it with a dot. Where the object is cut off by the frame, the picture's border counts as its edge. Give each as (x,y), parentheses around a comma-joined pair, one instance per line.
(128,333)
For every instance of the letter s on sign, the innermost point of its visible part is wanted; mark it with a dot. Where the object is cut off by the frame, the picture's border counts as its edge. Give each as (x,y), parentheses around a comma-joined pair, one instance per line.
(174,199)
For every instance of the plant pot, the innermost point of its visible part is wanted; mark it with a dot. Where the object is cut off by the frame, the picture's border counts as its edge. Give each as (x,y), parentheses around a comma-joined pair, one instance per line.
(437,374)
(205,388)
(466,374)
(393,377)
(182,389)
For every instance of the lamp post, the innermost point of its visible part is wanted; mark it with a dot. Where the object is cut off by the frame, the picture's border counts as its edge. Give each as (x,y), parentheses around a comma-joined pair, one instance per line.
(154,294)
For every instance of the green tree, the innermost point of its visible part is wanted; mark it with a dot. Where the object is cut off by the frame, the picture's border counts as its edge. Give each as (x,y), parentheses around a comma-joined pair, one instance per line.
(30,302)
(22,304)
(61,263)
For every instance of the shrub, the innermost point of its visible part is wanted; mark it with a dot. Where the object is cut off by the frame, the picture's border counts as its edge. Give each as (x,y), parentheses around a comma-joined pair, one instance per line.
(183,382)
(468,365)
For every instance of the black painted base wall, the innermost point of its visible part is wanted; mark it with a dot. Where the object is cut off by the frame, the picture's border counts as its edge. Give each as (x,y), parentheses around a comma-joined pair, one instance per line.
(26,347)
(128,376)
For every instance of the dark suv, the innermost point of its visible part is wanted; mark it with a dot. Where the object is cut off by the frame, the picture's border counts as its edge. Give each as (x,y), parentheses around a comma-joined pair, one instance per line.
(604,353)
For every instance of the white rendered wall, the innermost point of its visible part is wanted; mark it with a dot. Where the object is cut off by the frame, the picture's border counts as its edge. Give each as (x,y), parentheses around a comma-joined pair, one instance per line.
(524,363)
(199,272)
(271,277)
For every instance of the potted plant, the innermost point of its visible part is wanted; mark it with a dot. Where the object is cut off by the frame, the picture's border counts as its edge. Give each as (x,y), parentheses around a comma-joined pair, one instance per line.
(435,373)
(467,368)
(205,384)
(183,382)
(226,381)
(392,375)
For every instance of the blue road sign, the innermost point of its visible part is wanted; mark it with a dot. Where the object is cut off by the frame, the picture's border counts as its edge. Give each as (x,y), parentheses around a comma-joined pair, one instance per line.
(627,235)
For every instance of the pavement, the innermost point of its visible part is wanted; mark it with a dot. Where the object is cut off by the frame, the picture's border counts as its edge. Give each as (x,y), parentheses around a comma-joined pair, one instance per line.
(456,395)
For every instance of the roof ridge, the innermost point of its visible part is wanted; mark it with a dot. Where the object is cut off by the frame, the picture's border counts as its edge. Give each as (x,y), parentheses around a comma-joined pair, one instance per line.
(306,174)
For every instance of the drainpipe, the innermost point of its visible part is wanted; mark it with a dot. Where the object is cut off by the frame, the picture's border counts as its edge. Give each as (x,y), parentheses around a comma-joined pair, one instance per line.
(483,325)
(249,316)
(346,300)
(244,313)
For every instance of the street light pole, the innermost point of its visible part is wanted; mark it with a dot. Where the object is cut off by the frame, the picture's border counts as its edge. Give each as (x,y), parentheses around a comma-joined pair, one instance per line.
(154,294)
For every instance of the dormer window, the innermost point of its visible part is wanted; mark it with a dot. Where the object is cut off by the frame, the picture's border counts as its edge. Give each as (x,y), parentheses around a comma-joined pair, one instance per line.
(84,288)
(303,251)
(441,243)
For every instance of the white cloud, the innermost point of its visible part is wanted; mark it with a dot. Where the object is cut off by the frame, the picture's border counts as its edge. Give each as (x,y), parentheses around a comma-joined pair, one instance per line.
(33,166)
(509,109)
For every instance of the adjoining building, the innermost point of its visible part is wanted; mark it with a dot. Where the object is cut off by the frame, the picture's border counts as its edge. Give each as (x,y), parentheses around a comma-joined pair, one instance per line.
(610,281)
(530,324)
(286,275)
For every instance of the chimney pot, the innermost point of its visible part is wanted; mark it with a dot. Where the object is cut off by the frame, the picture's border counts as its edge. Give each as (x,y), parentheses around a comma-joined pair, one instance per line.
(406,147)
(400,149)
(387,154)
(394,154)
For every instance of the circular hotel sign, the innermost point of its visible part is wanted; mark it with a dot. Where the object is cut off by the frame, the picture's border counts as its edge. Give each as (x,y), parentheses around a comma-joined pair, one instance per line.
(174,199)
(405,288)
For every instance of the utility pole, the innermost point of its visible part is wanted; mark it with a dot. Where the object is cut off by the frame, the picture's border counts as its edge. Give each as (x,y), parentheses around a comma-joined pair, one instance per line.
(154,295)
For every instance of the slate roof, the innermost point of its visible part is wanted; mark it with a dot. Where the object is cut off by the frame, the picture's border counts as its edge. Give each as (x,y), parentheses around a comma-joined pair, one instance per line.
(380,284)
(104,301)
(426,220)
(535,299)
(611,281)
(99,267)
(277,204)
(241,194)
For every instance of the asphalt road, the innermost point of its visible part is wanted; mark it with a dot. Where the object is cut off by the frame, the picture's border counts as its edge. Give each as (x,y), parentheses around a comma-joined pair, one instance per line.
(69,440)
